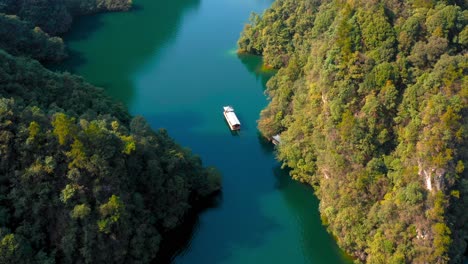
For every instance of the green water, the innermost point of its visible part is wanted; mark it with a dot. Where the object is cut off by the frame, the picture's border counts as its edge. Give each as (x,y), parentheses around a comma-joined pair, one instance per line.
(174,62)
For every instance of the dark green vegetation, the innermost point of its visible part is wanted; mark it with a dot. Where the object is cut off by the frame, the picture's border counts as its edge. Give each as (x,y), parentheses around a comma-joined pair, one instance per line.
(21,38)
(56,16)
(371,103)
(80,180)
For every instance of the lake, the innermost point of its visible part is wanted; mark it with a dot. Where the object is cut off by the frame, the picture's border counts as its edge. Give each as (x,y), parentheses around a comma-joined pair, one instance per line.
(175,63)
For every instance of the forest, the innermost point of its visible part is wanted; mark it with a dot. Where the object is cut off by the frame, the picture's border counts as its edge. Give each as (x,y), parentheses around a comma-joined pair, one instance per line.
(81,180)
(56,16)
(370,100)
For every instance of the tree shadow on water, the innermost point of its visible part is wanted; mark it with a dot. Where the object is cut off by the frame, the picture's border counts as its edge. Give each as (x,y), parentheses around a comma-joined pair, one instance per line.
(237,221)
(317,244)
(177,240)
(265,144)
(84,26)
(254,64)
(136,7)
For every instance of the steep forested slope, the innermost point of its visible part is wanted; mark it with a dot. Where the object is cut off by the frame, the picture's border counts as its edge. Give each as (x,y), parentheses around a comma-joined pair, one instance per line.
(371,104)
(81,181)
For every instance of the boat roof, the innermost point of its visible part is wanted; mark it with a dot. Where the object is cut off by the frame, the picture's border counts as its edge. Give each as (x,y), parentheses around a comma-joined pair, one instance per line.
(277,138)
(232,118)
(228,108)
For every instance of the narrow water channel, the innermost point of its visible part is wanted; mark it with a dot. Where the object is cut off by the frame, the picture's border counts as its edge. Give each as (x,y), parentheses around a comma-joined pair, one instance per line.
(174,62)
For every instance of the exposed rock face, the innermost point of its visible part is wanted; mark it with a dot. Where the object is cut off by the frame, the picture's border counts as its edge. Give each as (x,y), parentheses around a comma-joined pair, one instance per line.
(433,177)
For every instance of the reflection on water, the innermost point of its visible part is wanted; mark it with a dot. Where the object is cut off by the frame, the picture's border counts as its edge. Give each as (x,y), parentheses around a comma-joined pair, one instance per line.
(256,67)
(106,48)
(179,239)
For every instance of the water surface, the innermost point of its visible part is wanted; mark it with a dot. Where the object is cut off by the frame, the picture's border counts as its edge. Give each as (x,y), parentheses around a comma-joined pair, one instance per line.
(174,62)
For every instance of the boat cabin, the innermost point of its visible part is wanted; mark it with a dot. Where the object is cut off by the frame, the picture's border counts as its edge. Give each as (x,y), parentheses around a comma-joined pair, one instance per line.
(231,118)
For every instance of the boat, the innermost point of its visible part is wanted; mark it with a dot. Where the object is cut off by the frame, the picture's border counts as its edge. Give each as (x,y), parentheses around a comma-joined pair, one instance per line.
(276,140)
(231,118)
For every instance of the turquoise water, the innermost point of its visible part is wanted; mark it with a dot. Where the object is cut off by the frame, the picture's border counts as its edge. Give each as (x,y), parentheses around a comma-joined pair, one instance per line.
(174,62)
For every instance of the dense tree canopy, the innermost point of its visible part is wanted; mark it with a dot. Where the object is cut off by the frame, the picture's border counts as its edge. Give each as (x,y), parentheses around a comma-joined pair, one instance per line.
(371,104)
(55,16)
(24,39)
(81,181)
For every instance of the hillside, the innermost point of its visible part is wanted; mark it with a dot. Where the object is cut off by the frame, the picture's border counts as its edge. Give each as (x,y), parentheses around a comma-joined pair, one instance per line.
(81,181)
(371,103)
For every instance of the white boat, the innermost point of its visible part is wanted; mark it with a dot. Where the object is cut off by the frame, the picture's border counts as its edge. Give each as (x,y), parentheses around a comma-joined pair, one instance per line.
(276,140)
(231,118)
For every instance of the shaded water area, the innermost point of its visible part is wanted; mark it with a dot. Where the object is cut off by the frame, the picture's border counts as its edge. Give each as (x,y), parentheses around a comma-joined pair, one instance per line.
(175,63)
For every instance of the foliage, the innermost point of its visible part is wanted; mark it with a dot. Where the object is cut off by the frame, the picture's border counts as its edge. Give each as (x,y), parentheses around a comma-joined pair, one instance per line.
(371,103)
(55,16)
(24,39)
(81,181)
